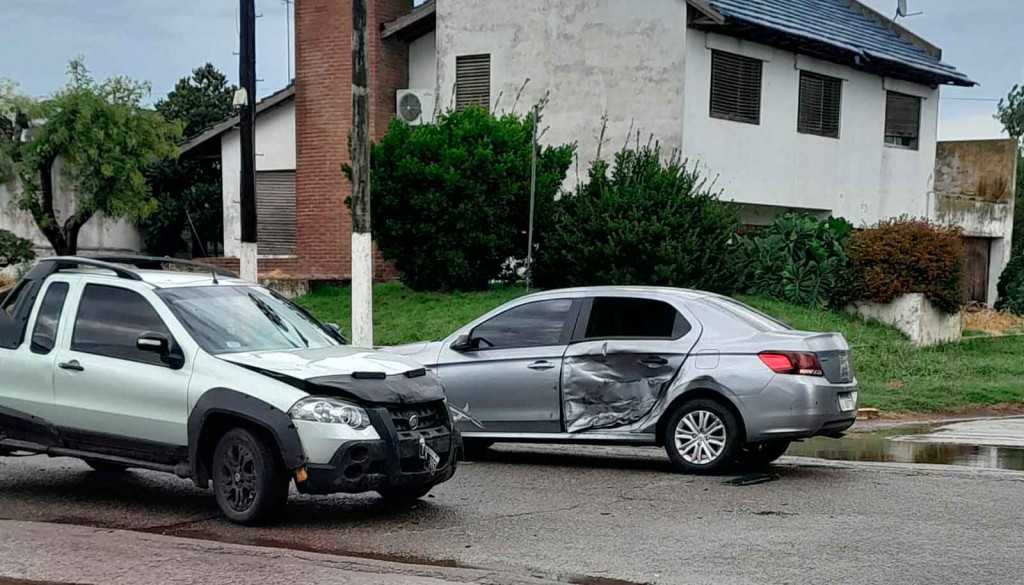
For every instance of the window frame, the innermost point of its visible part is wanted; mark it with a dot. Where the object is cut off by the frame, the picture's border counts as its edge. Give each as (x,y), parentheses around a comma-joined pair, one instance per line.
(681,327)
(52,285)
(565,337)
(728,116)
(78,312)
(886,135)
(823,79)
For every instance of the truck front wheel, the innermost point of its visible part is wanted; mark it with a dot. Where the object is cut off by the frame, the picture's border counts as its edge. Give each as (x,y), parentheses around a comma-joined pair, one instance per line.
(249,479)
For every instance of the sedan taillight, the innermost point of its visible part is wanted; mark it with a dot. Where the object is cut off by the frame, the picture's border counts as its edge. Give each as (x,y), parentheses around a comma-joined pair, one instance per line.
(792,362)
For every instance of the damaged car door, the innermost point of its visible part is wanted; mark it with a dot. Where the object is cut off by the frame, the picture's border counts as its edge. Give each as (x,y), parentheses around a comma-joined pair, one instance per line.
(625,351)
(503,375)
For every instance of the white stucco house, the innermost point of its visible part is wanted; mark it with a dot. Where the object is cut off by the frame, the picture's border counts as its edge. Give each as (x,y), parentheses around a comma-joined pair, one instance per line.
(823,106)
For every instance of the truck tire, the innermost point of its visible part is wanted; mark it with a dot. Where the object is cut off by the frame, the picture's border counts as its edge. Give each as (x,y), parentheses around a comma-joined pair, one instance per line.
(473,449)
(702,436)
(404,495)
(249,479)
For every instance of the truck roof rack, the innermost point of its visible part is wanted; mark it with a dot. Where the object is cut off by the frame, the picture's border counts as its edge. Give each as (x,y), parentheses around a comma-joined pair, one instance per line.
(158,262)
(48,266)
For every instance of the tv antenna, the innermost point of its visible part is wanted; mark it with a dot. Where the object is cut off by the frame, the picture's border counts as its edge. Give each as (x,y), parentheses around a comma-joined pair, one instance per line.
(903,11)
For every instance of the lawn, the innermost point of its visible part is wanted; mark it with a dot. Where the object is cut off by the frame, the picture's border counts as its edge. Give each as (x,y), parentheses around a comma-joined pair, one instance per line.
(894,376)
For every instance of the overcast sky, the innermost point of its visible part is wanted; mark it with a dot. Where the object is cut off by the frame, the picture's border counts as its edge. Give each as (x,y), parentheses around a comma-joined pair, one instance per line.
(162,40)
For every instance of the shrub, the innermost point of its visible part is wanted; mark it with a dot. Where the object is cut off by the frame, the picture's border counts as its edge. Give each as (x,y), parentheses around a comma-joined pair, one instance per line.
(1011,286)
(451,201)
(14,250)
(639,221)
(798,259)
(901,256)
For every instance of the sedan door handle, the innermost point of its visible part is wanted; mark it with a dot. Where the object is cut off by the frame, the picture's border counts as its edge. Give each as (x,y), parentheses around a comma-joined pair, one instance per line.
(73,365)
(541,365)
(654,360)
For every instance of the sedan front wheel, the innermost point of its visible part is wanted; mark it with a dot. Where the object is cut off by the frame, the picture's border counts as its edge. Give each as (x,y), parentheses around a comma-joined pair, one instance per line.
(702,436)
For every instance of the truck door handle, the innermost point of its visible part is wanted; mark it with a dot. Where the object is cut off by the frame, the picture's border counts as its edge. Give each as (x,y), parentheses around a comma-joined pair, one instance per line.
(72,365)
(541,365)
(654,360)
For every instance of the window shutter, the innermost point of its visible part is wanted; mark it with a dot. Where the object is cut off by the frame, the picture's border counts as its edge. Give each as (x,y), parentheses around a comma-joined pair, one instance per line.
(735,88)
(275,212)
(820,102)
(473,81)
(902,119)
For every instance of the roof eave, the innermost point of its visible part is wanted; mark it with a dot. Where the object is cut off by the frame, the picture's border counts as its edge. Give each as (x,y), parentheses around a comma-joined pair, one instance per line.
(413,24)
(230,122)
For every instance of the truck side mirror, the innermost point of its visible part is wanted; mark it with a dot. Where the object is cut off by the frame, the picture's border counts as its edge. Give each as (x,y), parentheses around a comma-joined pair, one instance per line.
(463,343)
(163,346)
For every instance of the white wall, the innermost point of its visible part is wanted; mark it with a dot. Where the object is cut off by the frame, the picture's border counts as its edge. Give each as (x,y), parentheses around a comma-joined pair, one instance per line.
(99,234)
(855,176)
(423,62)
(620,57)
(275,151)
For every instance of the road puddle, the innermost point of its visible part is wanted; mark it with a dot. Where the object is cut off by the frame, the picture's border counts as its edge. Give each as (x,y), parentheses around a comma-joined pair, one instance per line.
(894,445)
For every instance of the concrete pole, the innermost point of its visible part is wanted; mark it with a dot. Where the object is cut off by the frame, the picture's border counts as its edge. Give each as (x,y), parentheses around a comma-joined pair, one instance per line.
(362,241)
(247,131)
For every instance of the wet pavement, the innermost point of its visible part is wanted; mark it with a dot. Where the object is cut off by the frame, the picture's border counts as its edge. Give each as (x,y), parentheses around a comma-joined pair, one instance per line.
(995,443)
(599,515)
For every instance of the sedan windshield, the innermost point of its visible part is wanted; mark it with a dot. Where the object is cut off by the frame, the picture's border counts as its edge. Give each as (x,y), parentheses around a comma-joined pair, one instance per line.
(233,319)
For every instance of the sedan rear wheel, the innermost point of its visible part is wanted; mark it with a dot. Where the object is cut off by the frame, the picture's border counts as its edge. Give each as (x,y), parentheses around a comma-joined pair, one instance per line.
(702,437)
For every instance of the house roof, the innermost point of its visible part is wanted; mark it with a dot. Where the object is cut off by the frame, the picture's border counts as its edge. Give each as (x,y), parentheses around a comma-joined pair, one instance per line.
(214,131)
(839,30)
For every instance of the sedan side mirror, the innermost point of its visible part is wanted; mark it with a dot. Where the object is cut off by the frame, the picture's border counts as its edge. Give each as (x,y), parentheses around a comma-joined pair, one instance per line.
(163,346)
(463,343)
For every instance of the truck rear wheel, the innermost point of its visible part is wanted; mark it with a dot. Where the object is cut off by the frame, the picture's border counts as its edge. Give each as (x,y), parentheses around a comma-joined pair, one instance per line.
(249,479)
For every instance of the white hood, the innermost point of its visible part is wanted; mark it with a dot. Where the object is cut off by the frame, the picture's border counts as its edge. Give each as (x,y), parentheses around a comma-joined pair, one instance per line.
(340,360)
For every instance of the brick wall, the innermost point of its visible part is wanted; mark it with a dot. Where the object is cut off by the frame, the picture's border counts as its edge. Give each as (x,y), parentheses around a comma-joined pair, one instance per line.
(323,110)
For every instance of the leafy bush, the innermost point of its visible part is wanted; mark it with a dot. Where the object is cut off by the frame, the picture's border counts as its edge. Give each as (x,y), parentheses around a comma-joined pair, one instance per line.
(798,259)
(14,250)
(639,221)
(902,256)
(1011,286)
(451,201)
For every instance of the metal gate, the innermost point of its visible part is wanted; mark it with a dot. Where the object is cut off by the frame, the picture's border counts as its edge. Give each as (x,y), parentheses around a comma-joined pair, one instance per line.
(275,212)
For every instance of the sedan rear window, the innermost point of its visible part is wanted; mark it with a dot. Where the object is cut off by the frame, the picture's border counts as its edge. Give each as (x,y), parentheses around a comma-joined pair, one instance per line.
(747,315)
(633,318)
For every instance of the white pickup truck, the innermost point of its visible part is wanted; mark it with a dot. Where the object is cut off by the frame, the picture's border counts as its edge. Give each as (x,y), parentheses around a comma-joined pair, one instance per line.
(124,363)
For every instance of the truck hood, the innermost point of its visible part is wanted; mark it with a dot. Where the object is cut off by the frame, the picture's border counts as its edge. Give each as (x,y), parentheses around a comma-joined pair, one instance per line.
(425,352)
(348,372)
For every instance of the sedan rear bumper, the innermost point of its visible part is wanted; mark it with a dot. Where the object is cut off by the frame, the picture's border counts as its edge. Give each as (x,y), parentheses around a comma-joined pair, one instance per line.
(797,407)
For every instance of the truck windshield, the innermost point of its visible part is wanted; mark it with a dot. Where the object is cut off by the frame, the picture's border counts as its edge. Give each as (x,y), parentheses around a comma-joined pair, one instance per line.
(233,319)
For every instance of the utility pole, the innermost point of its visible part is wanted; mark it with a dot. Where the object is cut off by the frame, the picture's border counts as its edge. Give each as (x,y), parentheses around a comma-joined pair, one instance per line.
(362,241)
(533,197)
(247,131)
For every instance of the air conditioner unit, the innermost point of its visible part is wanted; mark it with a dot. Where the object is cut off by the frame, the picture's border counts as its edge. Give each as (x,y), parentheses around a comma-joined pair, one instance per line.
(415,106)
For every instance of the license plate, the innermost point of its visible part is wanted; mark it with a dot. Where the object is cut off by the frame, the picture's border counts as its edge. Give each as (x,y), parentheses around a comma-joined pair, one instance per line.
(847,401)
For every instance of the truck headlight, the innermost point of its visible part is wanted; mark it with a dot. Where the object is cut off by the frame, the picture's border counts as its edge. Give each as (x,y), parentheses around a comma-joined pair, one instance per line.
(329,410)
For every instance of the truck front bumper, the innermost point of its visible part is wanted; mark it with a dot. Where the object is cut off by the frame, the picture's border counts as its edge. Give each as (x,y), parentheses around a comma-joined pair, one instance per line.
(399,458)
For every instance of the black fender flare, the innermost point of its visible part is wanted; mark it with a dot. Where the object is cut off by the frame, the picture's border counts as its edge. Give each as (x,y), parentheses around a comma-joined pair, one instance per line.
(232,403)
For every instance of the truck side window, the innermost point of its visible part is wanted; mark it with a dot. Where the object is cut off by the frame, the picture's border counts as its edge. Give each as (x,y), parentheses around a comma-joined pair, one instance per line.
(110,320)
(44,334)
(10,299)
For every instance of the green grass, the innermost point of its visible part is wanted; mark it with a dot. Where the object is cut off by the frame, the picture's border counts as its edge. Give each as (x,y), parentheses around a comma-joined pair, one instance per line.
(894,375)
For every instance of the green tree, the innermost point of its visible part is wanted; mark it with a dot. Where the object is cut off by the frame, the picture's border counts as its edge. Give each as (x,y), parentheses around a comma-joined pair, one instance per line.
(99,137)
(188,191)
(644,220)
(451,200)
(1010,113)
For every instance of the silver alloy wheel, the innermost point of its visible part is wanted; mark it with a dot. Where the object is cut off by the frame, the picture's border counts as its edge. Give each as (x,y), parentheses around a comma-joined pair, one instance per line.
(700,437)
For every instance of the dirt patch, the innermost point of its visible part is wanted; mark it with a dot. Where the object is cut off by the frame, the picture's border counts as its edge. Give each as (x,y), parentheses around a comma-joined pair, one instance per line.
(992,322)
(896,419)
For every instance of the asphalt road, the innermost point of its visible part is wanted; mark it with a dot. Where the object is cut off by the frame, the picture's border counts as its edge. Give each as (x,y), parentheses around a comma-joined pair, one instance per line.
(610,514)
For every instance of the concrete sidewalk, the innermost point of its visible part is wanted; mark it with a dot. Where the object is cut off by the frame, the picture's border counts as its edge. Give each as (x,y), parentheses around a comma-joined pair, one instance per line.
(35,552)
(993,432)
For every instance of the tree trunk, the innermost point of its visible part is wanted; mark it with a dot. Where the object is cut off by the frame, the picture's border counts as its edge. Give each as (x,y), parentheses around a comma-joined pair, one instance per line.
(63,239)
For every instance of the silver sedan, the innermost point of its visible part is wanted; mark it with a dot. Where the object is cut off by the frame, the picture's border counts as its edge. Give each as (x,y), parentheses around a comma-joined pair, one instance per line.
(709,378)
